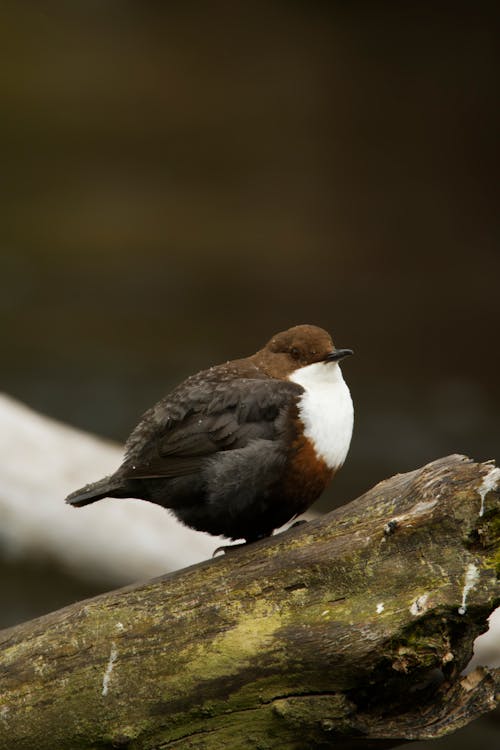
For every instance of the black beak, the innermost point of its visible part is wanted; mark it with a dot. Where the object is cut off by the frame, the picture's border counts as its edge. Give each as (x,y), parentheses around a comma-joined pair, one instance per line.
(337,355)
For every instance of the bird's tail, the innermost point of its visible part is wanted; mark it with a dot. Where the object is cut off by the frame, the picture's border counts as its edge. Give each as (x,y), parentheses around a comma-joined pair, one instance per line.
(112,486)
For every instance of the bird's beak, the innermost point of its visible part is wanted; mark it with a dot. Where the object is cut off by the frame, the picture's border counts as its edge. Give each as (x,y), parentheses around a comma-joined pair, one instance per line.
(337,355)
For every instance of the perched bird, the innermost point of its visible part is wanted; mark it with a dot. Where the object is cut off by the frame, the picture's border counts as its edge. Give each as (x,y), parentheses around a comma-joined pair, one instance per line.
(240,449)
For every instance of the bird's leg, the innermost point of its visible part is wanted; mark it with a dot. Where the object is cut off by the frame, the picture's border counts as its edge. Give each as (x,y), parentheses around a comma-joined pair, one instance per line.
(294,526)
(297,523)
(226,548)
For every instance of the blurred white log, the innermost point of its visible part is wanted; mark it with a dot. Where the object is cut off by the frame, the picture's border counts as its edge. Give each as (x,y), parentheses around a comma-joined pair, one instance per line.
(115,541)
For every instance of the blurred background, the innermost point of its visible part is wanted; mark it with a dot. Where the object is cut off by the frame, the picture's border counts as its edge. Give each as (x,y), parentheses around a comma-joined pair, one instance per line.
(182,180)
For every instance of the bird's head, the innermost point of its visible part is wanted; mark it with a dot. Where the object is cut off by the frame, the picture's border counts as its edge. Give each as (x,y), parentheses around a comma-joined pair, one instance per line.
(296,348)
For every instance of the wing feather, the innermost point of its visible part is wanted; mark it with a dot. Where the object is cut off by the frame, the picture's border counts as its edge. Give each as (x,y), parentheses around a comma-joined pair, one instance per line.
(229,417)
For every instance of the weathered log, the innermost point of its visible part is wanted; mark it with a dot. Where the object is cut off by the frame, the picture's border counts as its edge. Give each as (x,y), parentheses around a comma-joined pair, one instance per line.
(350,631)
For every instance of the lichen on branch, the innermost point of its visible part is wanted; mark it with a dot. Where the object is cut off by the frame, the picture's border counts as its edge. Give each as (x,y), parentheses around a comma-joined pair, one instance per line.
(354,627)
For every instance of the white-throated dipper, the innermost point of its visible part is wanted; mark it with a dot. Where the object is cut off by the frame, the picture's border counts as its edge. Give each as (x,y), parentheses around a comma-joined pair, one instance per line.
(240,449)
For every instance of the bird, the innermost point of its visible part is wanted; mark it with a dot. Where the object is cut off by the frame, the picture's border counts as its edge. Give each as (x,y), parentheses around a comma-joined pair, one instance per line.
(241,448)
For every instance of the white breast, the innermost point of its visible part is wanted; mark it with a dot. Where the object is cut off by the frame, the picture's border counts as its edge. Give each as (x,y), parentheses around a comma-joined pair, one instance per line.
(326,410)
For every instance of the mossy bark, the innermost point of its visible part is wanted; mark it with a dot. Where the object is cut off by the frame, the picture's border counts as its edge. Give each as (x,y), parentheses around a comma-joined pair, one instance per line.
(349,631)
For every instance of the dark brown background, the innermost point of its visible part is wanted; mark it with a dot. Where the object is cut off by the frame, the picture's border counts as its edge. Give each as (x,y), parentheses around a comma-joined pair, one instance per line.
(181,180)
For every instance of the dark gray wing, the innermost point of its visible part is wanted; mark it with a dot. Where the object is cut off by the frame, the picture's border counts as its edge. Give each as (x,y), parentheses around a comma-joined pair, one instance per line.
(203,418)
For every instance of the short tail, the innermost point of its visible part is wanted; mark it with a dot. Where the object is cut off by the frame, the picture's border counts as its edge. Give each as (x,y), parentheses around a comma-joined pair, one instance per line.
(108,487)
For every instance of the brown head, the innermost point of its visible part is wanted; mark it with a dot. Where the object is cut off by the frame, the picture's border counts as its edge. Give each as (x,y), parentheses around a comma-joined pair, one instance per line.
(297,347)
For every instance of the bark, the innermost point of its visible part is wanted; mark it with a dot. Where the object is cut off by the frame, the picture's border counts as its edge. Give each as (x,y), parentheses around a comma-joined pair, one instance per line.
(350,631)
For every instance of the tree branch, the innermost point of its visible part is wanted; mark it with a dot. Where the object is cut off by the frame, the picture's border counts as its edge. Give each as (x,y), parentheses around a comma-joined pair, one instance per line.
(350,631)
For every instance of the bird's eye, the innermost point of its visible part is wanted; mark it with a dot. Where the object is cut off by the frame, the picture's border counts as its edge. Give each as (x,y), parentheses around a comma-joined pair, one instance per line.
(295,352)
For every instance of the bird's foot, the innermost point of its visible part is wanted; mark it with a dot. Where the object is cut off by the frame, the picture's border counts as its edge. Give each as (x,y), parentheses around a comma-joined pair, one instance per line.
(231,547)
(298,523)
(226,548)
(293,526)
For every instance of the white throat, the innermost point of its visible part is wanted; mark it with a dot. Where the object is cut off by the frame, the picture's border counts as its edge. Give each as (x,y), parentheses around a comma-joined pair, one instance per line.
(326,410)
